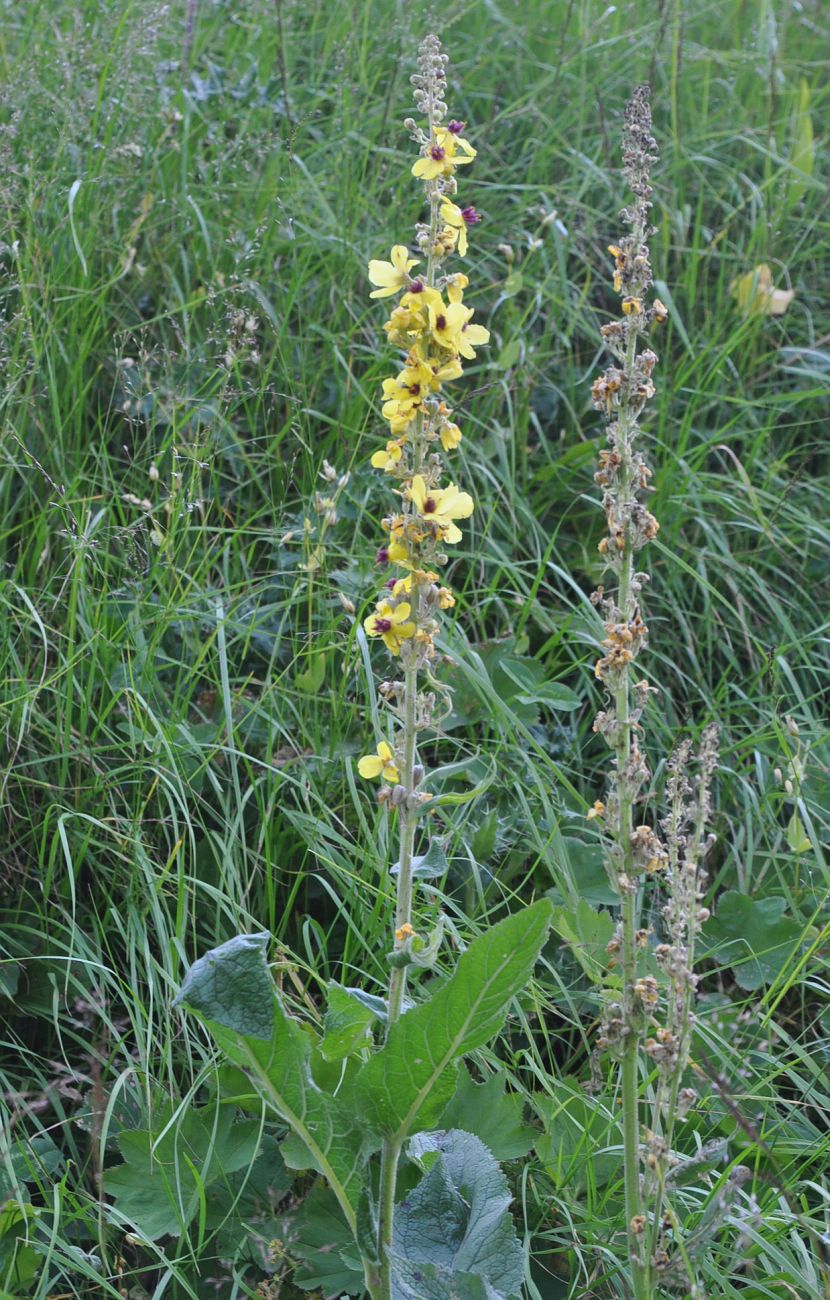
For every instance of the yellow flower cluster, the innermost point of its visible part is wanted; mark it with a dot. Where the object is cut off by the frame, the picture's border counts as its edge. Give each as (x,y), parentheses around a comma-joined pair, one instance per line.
(434,329)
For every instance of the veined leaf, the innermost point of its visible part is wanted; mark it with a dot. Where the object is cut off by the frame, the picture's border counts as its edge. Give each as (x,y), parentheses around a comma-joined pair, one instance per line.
(226,988)
(456,1223)
(411,1078)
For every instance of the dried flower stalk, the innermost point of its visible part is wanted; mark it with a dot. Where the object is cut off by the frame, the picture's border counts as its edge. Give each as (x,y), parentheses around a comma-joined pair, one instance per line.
(634,850)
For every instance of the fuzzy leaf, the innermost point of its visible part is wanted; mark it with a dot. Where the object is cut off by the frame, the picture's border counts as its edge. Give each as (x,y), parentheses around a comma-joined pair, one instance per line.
(232,985)
(753,937)
(457,1220)
(411,1078)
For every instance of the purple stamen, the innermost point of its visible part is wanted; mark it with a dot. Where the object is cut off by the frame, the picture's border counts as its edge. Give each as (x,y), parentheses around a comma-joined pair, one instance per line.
(471,217)
(417,286)
(383,625)
(382,555)
(456,127)
(438,153)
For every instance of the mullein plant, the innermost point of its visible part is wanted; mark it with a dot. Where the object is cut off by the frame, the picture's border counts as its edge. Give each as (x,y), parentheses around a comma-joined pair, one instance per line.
(434,330)
(360,1089)
(649,1010)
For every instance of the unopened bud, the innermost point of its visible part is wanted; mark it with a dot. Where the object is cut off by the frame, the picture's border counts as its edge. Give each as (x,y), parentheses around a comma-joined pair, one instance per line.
(792,726)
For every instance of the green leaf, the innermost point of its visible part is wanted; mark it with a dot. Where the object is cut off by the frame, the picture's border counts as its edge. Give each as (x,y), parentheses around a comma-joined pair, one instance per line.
(328,1136)
(232,986)
(159,1187)
(430,865)
(347,1024)
(576,1145)
(240,1210)
(493,1115)
(802,156)
(509,354)
(30,1160)
(311,678)
(318,1236)
(797,837)
(753,937)
(428,1282)
(587,932)
(411,1077)
(456,1222)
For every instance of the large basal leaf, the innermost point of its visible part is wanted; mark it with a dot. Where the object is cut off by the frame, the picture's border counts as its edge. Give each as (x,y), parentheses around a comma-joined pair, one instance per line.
(428,1282)
(753,936)
(327,1134)
(410,1079)
(165,1174)
(456,1223)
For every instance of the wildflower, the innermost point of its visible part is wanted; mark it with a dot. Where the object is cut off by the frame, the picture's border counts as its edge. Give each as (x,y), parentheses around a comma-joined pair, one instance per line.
(446,323)
(404,932)
(380,764)
(392,623)
(597,810)
(471,336)
(441,506)
(459,220)
(389,456)
(442,155)
(392,276)
(450,435)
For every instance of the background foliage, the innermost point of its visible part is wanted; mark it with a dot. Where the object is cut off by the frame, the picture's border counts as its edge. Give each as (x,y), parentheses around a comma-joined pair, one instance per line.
(188,196)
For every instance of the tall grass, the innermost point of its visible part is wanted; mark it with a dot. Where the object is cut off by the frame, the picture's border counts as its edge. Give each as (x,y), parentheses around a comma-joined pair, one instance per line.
(185,221)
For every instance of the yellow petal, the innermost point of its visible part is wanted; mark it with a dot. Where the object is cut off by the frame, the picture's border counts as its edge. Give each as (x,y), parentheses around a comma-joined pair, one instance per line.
(369,766)
(384,751)
(418,492)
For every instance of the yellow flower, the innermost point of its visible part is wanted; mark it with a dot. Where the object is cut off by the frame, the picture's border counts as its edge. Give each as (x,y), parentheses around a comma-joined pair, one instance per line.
(446,323)
(471,336)
(446,152)
(441,370)
(398,553)
(405,393)
(379,764)
(388,456)
(446,599)
(392,623)
(450,436)
(418,295)
(456,286)
(441,506)
(454,217)
(391,276)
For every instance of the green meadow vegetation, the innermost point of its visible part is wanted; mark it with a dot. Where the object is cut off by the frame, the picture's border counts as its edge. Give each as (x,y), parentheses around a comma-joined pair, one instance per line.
(191,394)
